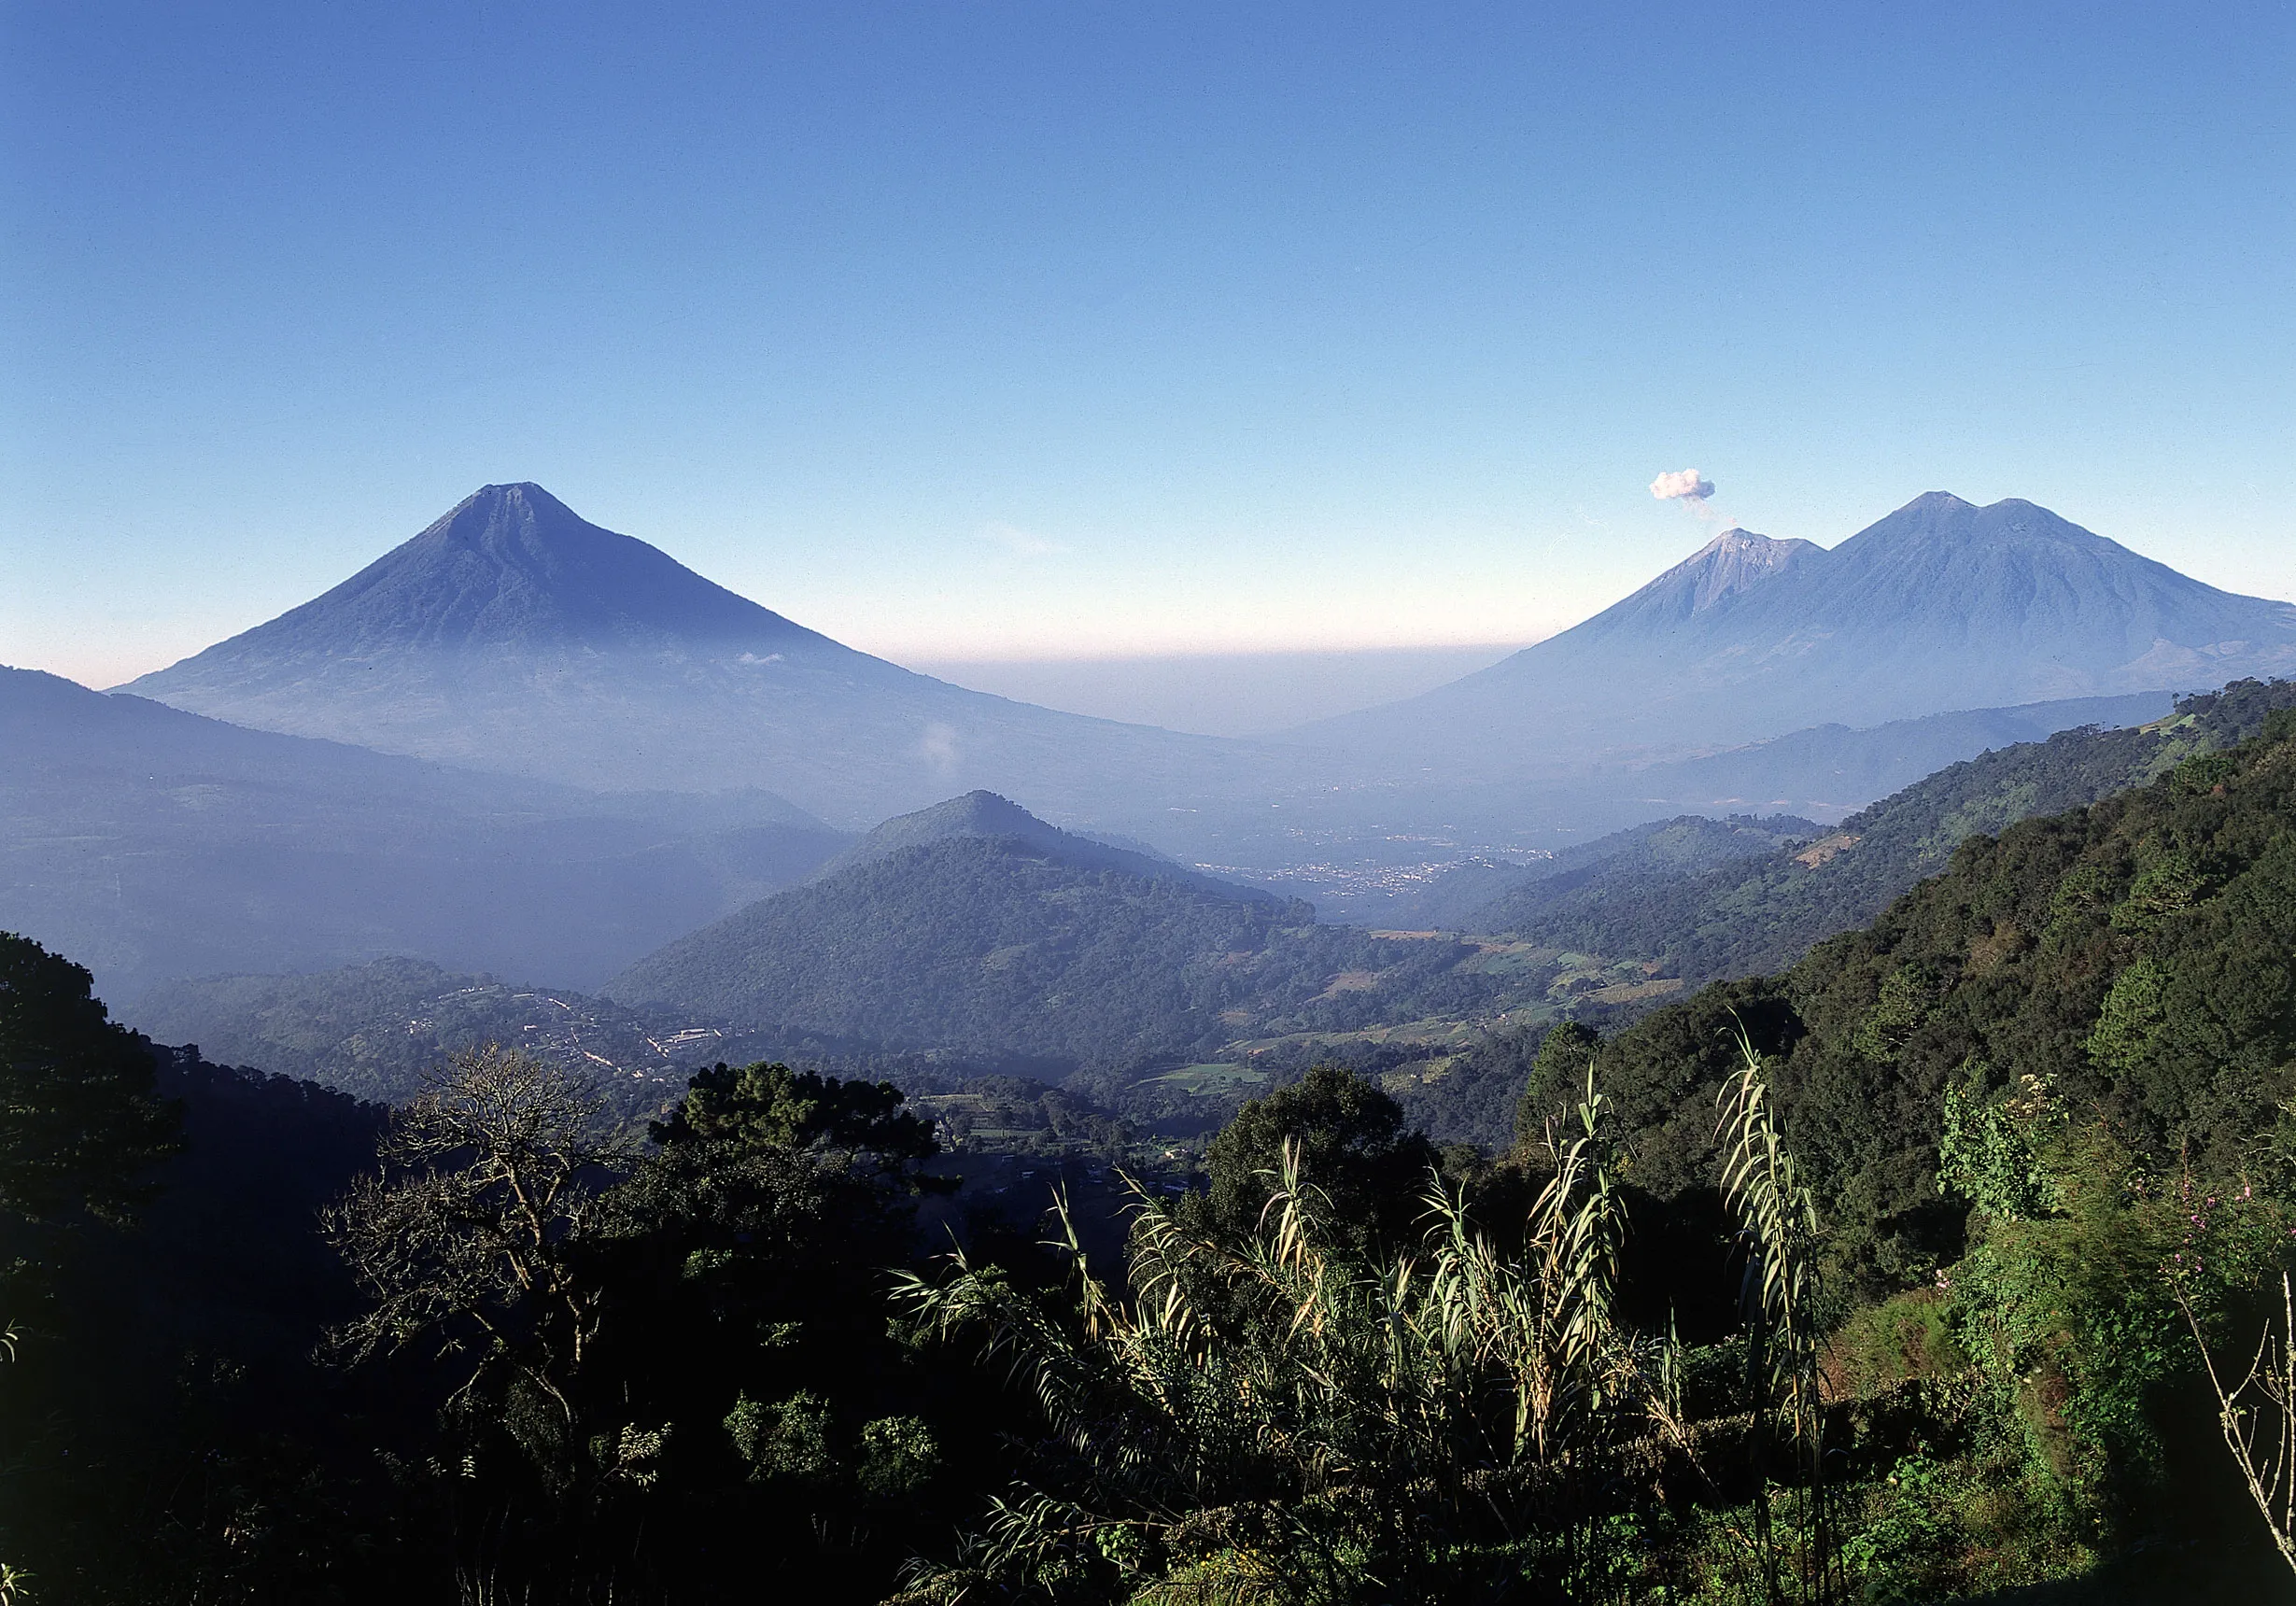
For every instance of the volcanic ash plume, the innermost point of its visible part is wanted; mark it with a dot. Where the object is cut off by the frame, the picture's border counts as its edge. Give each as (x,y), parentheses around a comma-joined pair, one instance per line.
(1690,488)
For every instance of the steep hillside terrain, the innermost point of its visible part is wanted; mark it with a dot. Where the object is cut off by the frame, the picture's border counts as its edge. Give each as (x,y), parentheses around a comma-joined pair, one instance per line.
(2135,957)
(154,844)
(374,1030)
(513,635)
(1940,606)
(1766,910)
(1685,845)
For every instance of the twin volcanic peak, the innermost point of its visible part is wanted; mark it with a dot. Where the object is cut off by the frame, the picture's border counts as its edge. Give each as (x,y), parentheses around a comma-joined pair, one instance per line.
(1943,605)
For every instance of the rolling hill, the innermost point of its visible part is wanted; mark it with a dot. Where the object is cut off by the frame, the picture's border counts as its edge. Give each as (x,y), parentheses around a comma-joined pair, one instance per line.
(967,929)
(152,844)
(1762,911)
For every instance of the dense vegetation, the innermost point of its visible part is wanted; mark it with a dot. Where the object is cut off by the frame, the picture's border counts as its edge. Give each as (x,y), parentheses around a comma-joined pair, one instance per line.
(1765,910)
(1486,896)
(1886,1278)
(373,1030)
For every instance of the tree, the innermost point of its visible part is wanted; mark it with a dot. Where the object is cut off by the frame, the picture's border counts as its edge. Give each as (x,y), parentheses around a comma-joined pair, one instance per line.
(466,1240)
(1556,1077)
(1350,1136)
(79,1126)
(771,1105)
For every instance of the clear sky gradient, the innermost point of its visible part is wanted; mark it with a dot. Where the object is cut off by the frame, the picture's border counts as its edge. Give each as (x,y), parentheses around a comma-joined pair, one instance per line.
(981,331)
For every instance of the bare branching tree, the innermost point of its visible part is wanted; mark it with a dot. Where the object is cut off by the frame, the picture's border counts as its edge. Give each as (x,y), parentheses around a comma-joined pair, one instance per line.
(2256,1416)
(464,1239)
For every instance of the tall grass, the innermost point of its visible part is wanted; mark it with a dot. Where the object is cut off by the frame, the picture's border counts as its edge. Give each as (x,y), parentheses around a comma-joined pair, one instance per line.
(1285,1415)
(1778,1300)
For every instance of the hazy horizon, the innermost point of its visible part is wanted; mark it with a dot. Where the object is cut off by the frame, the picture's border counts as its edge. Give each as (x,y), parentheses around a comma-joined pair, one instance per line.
(1023,332)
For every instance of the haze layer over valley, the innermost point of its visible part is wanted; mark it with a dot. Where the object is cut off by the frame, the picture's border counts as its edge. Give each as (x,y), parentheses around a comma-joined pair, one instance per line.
(513,635)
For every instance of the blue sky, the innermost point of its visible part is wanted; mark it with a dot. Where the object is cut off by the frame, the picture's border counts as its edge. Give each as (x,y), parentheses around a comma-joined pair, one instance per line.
(1012,331)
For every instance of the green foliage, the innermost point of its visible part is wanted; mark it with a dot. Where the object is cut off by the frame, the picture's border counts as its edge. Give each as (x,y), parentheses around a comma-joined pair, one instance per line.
(1764,912)
(1345,1132)
(787,1441)
(898,1456)
(1991,1150)
(1565,1053)
(1907,1338)
(1279,1412)
(1907,996)
(772,1106)
(79,1128)
(2129,1024)
(2135,957)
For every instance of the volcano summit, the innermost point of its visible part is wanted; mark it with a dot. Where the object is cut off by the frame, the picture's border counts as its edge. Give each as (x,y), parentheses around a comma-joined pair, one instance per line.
(514,635)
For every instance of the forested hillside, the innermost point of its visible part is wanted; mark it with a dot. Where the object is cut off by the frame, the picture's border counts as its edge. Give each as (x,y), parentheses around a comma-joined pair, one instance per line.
(1748,917)
(373,1030)
(1455,900)
(986,943)
(2134,958)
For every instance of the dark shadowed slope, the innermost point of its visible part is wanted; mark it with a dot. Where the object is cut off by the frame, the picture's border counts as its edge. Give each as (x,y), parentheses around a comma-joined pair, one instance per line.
(376,1030)
(975,924)
(1940,606)
(152,844)
(513,635)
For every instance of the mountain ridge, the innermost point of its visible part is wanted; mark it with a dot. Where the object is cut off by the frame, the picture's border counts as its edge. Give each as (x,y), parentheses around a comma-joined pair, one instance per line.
(1940,605)
(157,844)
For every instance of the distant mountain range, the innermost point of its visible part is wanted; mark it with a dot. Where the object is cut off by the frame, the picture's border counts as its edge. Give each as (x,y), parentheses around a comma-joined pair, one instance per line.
(513,635)
(150,844)
(1940,606)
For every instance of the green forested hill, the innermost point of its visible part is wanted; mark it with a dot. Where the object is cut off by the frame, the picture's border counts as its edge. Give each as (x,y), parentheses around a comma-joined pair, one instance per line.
(1762,913)
(1625,871)
(2135,958)
(978,942)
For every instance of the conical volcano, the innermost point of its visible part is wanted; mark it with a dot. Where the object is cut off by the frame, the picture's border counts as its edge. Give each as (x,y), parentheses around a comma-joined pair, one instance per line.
(514,635)
(508,569)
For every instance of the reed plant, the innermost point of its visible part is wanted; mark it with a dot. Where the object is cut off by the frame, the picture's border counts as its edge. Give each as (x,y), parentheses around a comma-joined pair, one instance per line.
(1280,1416)
(1778,1305)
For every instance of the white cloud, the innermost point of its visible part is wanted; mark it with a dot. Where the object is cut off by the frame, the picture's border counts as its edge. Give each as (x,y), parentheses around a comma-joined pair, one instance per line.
(1687,484)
